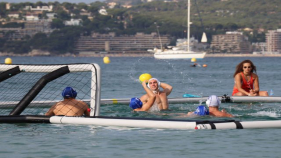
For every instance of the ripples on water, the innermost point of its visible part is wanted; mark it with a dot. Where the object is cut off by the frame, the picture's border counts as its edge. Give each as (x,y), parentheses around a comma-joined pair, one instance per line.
(120,80)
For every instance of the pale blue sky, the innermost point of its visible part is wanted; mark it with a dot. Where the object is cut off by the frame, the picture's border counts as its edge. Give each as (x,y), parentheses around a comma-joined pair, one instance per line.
(34,1)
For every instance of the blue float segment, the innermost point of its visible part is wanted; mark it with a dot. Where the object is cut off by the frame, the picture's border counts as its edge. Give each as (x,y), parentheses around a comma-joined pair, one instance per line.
(191,96)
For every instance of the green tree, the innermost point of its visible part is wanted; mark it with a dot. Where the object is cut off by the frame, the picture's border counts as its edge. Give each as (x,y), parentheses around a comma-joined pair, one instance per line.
(57,23)
(68,6)
(39,41)
(82,6)
(63,15)
(2,9)
(63,41)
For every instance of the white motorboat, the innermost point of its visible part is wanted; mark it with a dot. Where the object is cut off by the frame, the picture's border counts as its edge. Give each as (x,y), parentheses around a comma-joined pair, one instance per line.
(178,54)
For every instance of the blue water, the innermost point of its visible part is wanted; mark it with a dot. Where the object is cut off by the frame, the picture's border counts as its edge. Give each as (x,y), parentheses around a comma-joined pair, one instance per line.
(120,80)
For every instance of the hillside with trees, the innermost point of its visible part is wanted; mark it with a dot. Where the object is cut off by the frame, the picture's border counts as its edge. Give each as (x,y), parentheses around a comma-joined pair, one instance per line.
(211,16)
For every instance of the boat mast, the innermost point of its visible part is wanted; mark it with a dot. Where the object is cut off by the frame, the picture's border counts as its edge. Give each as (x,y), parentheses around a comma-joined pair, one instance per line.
(159,36)
(188,25)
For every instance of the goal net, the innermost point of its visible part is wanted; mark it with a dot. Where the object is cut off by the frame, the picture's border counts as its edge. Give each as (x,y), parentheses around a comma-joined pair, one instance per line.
(33,89)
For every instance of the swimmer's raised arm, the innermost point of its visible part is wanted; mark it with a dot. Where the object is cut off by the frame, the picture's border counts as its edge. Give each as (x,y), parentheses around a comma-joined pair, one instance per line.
(147,105)
(150,99)
(166,88)
(147,90)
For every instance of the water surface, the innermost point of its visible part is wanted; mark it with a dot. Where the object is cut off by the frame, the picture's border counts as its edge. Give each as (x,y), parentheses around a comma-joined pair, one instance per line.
(120,80)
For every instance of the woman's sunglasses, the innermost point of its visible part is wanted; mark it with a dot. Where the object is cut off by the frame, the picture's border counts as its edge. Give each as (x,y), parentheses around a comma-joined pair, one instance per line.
(245,67)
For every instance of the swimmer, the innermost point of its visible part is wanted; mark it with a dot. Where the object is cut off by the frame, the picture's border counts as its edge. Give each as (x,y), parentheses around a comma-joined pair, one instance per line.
(246,82)
(160,102)
(213,102)
(69,106)
(193,65)
(200,111)
(140,105)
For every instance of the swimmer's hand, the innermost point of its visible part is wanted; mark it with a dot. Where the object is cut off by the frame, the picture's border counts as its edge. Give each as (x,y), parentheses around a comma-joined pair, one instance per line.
(223,110)
(144,82)
(190,113)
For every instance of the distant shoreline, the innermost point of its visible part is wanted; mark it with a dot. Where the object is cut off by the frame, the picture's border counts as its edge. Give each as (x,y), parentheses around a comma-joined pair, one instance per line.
(243,55)
(148,55)
(206,56)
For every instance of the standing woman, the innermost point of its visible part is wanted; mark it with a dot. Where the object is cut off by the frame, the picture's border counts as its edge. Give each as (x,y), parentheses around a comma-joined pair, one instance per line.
(246,82)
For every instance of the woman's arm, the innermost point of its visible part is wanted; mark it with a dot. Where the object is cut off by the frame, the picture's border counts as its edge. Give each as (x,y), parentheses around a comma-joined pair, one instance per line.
(256,83)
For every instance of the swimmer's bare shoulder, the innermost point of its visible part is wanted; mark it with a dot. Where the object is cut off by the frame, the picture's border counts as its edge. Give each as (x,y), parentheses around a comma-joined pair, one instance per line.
(144,98)
(83,103)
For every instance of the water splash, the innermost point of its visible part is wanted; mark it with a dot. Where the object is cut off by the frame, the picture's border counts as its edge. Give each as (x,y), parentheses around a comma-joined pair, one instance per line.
(265,113)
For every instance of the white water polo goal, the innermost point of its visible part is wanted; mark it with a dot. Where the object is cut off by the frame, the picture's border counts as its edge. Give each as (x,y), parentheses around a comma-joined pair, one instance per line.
(28,91)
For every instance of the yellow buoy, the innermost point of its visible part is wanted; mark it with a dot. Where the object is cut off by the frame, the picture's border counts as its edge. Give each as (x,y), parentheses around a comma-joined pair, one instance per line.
(8,61)
(106,60)
(205,65)
(193,60)
(144,77)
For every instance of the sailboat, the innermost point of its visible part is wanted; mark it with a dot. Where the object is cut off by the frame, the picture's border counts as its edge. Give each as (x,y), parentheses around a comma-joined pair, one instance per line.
(176,53)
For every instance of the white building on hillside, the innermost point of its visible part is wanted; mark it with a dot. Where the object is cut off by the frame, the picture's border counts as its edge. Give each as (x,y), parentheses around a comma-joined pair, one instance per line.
(103,12)
(51,15)
(38,8)
(14,15)
(31,17)
(73,22)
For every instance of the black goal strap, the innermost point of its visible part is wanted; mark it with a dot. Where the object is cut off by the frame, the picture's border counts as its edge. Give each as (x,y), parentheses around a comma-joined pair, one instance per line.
(238,125)
(9,73)
(34,91)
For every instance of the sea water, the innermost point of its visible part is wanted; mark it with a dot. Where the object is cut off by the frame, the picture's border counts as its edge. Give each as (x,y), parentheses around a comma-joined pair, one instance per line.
(120,80)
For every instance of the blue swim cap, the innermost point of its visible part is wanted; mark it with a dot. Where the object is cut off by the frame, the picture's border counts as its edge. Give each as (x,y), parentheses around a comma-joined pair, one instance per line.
(69,92)
(201,110)
(135,103)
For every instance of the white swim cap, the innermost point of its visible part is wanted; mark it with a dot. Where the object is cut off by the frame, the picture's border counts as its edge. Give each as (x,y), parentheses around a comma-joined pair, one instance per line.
(154,79)
(213,101)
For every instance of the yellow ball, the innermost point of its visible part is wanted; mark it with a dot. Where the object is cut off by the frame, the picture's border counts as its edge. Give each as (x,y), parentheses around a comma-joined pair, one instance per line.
(205,65)
(106,60)
(8,61)
(193,60)
(144,77)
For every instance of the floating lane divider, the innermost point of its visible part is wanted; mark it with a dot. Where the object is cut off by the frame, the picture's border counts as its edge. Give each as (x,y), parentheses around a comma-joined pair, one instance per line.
(241,125)
(115,101)
(164,123)
(144,122)
(246,99)
(232,99)
(124,122)
(170,100)
(224,99)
